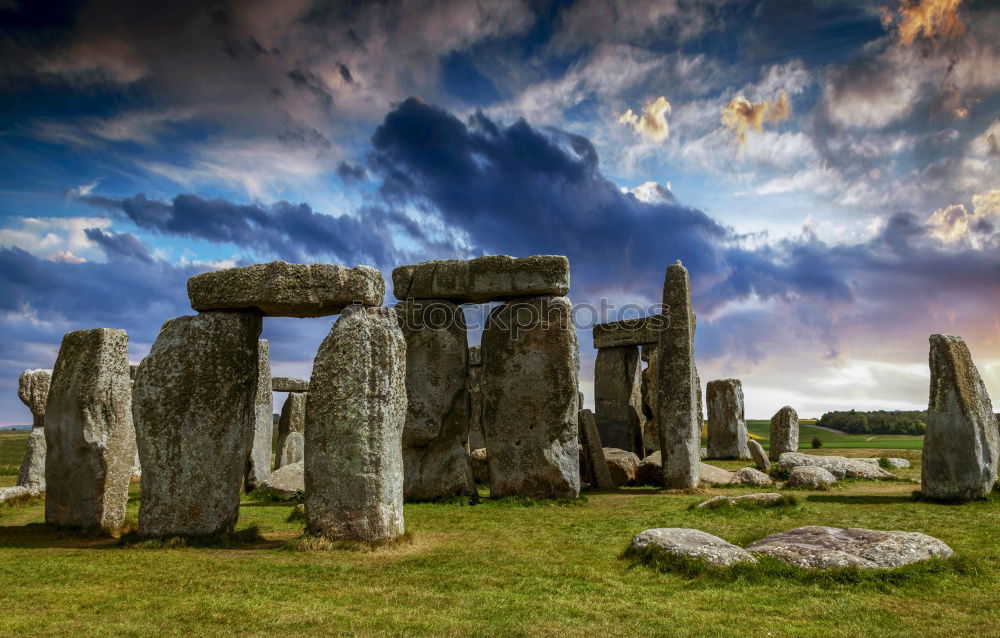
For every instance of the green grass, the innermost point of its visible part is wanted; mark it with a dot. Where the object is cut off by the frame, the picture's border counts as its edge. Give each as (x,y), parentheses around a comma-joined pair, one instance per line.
(841,441)
(12,446)
(505,569)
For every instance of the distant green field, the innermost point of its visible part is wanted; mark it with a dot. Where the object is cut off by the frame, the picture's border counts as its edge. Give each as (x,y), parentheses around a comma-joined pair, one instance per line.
(847,441)
(12,445)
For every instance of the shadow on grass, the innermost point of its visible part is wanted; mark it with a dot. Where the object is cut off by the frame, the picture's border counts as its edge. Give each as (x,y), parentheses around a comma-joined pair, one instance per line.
(55,536)
(315,543)
(523,501)
(248,538)
(859,499)
(770,570)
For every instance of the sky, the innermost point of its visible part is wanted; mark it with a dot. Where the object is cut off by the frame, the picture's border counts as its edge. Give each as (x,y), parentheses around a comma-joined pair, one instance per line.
(828,171)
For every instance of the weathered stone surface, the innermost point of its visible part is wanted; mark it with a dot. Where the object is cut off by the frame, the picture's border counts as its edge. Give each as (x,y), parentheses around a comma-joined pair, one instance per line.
(194,419)
(639,331)
(892,461)
(715,475)
(622,465)
(17,491)
(651,397)
(356,410)
(289,384)
(618,398)
(292,450)
(784,433)
(692,543)
(89,437)
(475,389)
(679,421)
(764,499)
(492,278)
(759,456)
(435,462)
(280,289)
(962,442)
(31,474)
(650,470)
(810,477)
(727,426)
(839,466)
(751,476)
(596,470)
(33,390)
(291,421)
(530,395)
(817,547)
(259,463)
(287,479)
(480,466)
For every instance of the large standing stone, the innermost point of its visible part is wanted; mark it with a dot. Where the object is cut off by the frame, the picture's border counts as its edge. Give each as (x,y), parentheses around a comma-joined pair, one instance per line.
(758,455)
(492,278)
(194,418)
(784,433)
(618,398)
(356,410)
(280,289)
(476,439)
(435,461)
(727,426)
(961,444)
(597,471)
(679,421)
(291,421)
(33,390)
(651,397)
(89,437)
(259,463)
(292,450)
(530,396)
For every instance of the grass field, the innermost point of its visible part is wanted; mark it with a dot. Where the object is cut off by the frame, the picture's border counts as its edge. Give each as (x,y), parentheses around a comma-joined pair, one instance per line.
(501,569)
(841,441)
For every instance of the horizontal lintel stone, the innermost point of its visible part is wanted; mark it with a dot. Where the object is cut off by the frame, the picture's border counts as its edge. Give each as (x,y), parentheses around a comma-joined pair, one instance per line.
(492,278)
(629,332)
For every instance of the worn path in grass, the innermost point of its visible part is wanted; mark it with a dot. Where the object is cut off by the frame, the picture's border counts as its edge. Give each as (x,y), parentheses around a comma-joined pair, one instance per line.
(497,569)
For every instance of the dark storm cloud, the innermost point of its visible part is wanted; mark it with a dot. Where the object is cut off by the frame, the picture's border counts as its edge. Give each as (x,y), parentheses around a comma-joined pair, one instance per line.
(117,246)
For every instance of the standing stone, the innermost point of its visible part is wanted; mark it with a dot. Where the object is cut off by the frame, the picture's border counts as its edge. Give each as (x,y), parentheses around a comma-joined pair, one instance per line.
(356,410)
(679,423)
(618,398)
(89,437)
(435,461)
(259,463)
(727,426)
(598,474)
(531,363)
(194,419)
(292,449)
(759,455)
(33,390)
(784,433)
(476,440)
(961,444)
(651,397)
(292,420)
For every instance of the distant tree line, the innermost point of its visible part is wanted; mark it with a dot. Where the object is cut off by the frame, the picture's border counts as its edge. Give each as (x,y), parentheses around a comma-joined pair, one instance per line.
(876,421)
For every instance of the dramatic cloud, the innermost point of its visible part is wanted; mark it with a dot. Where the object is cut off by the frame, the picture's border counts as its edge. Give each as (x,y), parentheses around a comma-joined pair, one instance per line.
(929,19)
(741,115)
(979,228)
(653,121)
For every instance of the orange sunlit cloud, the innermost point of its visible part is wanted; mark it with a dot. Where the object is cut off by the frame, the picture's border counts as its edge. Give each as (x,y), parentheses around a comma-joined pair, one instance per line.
(742,115)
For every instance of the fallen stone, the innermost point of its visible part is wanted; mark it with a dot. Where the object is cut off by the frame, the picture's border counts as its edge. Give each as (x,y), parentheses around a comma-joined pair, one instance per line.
(817,547)
(622,465)
(530,395)
(435,461)
(618,398)
(764,499)
(810,477)
(640,331)
(289,384)
(597,471)
(893,462)
(840,466)
(758,455)
(480,466)
(715,475)
(280,289)
(650,470)
(492,278)
(962,442)
(751,476)
(727,426)
(193,403)
(292,421)
(259,463)
(17,491)
(692,543)
(287,479)
(356,411)
(784,433)
(89,436)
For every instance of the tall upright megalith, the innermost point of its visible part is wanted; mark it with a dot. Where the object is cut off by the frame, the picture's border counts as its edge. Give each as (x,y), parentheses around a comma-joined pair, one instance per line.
(727,426)
(435,462)
(259,464)
(89,437)
(784,433)
(474,379)
(962,444)
(530,396)
(291,421)
(33,390)
(193,405)
(356,411)
(618,398)
(680,423)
